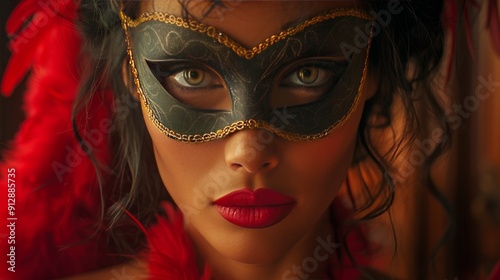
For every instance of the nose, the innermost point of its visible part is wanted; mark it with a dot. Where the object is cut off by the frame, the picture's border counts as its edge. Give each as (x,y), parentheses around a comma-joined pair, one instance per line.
(251,150)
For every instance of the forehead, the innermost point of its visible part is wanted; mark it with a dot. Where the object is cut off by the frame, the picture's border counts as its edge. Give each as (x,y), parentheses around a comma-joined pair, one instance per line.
(248,22)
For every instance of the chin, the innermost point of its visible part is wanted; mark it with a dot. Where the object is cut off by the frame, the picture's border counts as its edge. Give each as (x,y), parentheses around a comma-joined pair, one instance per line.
(257,249)
(252,246)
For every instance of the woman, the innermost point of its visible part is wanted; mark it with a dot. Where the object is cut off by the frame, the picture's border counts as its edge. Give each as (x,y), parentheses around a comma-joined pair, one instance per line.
(242,185)
(260,121)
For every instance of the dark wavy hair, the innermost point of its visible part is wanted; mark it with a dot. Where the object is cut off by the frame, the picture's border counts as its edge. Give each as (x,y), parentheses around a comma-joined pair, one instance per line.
(406,55)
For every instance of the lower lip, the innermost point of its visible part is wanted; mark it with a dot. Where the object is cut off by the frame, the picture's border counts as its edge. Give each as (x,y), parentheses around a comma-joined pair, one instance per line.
(254,216)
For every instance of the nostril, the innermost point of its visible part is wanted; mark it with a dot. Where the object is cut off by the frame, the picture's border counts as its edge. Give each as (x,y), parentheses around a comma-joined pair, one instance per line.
(241,153)
(250,167)
(236,165)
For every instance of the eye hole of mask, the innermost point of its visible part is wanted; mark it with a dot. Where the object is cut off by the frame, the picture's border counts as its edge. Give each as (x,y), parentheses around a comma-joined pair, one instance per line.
(307,80)
(192,84)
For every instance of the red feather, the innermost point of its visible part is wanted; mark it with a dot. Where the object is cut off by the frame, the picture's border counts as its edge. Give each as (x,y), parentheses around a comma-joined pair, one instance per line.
(22,59)
(28,26)
(170,254)
(449,20)
(21,15)
(493,24)
(495,273)
(57,198)
(468,32)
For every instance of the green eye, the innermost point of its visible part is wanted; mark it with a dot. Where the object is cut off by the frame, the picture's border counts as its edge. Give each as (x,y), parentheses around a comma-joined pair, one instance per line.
(192,83)
(192,77)
(308,75)
(307,80)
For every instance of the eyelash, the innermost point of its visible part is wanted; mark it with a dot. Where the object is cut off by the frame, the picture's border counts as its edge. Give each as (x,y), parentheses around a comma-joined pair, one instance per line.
(335,69)
(163,72)
(174,69)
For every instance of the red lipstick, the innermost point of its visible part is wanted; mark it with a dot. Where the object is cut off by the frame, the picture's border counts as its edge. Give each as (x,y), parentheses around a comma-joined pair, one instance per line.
(258,209)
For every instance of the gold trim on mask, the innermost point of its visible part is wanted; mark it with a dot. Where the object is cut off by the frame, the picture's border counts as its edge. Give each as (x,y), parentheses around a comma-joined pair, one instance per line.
(248,54)
(222,38)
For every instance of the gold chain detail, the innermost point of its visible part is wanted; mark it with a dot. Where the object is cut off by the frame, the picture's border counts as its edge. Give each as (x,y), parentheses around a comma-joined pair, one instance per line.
(237,126)
(223,39)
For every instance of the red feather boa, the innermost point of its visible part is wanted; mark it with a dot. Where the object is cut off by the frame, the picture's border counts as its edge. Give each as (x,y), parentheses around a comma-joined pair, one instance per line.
(57,200)
(170,254)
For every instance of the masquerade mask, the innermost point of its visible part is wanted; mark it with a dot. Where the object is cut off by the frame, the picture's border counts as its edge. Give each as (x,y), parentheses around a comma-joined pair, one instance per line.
(198,84)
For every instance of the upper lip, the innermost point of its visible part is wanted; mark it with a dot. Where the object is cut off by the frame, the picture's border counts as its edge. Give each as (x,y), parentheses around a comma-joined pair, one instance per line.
(259,197)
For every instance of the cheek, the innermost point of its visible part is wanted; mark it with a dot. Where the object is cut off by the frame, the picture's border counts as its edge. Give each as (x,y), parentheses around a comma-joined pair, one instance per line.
(185,171)
(185,168)
(319,168)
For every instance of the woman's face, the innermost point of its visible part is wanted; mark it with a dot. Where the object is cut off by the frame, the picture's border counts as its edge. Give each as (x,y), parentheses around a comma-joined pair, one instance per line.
(306,175)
